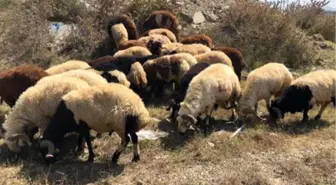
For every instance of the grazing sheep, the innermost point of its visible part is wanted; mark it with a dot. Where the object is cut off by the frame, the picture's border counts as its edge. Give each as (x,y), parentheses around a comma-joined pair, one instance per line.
(128,24)
(34,109)
(184,84)
(194,49)
(199,39)
(316,87)
(135,51)
(103,108)
(131,43)
(162,31)
(261,84)
(217,84)
(16,80)
(67,66)
(213,57)
(115,76)
(162,19)
(236,57)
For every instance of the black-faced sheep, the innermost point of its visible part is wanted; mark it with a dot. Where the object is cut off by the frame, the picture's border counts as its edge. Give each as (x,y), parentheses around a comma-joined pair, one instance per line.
(217,84)
(236,57)
(16,80)
(316,87)
(67,66)
(162,19)
(199,39)
(34,109)
(103,108)
(127,22)
(261,84)
(162,31)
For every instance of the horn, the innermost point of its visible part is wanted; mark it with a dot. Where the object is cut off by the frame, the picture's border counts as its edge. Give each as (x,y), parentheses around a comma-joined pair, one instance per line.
(190,117)
(260,118)
(51,147)
(23,137)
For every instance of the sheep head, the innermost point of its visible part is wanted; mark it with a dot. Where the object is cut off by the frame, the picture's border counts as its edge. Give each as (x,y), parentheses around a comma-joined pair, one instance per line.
(16,141)
(185,121)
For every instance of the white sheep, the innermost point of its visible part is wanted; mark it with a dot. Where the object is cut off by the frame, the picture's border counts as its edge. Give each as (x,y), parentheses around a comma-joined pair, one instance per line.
(316,87)
(213,57)
(34,109)
(217,84)
(67,66)
(102,108)
(119,33)
(137,76)
(262,83)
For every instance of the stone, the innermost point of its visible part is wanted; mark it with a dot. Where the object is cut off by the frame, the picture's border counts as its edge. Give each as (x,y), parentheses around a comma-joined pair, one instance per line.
(211,16)
(198,17)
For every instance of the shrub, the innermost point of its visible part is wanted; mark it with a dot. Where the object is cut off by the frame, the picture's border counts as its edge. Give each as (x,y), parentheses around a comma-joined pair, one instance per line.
(263,32)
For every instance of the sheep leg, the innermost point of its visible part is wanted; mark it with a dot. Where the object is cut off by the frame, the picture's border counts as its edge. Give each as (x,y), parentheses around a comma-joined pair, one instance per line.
(85,132)
(79,144)
(207,119)
(124,141)
(305,115)
(318,116)
(136,150)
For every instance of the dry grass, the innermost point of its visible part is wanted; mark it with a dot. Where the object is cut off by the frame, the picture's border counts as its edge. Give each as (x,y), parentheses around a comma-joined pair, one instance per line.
(291,153)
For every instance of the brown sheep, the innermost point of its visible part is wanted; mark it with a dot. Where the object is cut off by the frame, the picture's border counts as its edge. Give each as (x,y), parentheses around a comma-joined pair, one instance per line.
(131,43)
(162,19)
(128,23)
(199,39)
(236,57)
(16,80)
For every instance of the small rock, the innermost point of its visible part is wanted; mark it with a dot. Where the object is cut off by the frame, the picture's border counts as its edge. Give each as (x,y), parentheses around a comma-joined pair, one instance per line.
(211,144)
(211,16)
(318,37)
(198,17)
(139,182)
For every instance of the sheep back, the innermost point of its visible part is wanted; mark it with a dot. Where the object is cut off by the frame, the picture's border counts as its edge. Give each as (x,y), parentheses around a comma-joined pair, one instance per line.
(213,57)
(198,39)
(134,51)
(162,31)
(16,80)
(194,49)
(67,66)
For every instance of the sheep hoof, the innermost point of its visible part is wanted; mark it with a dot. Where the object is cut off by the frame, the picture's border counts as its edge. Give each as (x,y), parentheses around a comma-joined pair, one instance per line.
(136,158)
(317,117)
(90,159)
(115,157)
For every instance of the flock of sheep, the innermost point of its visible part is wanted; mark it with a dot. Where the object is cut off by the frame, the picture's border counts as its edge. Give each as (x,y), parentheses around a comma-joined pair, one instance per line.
(107,94)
